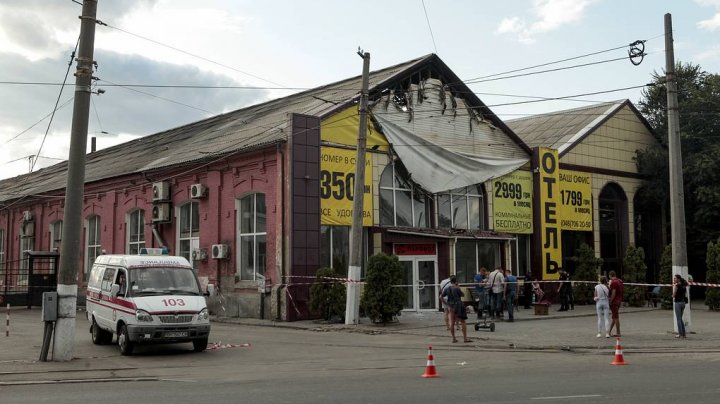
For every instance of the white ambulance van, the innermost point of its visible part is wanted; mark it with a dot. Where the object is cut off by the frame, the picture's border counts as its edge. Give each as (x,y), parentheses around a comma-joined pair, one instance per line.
(144,299)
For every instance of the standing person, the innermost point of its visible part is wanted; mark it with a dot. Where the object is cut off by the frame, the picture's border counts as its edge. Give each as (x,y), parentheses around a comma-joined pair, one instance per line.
(616,298)
(564,290)
(445,284)
(528,291)
(496,281)
(510,293)
(457,308)
(602,306)
(679,300)
(481,290)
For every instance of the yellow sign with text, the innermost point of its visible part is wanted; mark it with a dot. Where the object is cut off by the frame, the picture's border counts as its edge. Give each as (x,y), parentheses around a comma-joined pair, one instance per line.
(549,197)
(337,185)
(575,201)
(512,203)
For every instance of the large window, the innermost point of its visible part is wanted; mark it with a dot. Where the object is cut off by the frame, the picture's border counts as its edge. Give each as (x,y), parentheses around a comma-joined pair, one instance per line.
(94,248)
(252,237)
(189,230)
(135,231)
(471,255)
(401,202)
(461,208)
(56,235)
(335,248)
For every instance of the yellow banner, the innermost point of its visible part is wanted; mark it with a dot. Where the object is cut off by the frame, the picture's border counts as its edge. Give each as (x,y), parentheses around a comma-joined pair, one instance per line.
(337,184)
(342,128)
(549,196)
(512,203)
(575,201)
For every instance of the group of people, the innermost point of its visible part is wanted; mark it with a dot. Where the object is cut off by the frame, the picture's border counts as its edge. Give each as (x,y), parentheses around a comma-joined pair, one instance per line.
(495,291)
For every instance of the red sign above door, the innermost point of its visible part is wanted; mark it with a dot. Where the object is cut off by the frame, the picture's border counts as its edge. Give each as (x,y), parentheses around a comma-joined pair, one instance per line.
(415,249)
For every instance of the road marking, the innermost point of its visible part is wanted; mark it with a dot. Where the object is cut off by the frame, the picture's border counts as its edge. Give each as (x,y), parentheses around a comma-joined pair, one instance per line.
(566,397)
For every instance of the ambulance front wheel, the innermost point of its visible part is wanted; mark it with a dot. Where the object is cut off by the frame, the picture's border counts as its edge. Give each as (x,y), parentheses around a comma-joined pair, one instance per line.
(199,345)
(126,346)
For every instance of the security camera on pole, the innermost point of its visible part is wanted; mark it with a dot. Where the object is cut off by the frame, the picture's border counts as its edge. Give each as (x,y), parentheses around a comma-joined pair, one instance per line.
(352,305)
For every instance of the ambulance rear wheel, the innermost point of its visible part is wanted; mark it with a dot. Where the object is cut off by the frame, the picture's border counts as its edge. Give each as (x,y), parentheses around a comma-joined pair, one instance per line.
(200,345)
(126,346)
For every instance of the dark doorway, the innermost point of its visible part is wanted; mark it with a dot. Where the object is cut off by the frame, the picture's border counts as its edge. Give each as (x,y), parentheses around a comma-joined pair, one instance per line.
(613,216)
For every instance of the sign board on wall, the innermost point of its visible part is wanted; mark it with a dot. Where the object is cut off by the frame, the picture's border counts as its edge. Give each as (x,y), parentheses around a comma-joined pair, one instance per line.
(575,201)
(512,203)
(337,184)
(549,197)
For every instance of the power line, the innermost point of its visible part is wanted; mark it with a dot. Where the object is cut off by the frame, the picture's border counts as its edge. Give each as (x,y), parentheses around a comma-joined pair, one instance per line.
(429,26)
(190,54)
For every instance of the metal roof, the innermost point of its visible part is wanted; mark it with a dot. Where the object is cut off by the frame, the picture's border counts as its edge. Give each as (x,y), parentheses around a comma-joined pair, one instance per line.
(245,129)
(563,129)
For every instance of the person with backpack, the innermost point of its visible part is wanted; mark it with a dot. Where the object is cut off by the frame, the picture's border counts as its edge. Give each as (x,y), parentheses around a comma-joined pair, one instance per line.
(496,286)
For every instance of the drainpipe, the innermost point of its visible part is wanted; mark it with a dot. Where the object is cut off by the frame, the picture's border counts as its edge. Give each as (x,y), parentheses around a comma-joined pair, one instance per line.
(157,236)
(283,269)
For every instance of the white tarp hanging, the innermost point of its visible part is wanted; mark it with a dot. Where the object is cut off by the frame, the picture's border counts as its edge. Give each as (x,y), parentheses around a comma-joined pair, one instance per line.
(437,169)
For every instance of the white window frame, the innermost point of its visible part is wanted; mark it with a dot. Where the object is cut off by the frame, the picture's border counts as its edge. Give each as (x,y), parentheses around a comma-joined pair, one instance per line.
(257,268)
(93,223)
(56,235)
(140,243)
(395,189)
(467,196)
(193,238)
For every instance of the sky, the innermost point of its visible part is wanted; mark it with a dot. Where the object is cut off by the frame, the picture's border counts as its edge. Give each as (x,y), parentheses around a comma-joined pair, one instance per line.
(274,48)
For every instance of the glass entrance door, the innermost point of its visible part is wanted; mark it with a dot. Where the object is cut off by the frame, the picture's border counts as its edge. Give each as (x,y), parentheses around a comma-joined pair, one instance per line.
(420,280)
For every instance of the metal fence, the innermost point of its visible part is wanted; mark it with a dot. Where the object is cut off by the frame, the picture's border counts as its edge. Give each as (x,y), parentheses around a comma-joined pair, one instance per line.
(23,282)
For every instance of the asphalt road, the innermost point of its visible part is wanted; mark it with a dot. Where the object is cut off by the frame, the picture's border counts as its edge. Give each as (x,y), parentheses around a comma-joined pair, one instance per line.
(301,366)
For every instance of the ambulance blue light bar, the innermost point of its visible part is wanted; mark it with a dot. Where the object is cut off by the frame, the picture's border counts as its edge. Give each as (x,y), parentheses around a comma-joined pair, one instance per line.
(154,251)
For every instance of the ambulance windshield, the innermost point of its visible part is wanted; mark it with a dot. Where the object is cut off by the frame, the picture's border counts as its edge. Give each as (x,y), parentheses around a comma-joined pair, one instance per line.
(160,280)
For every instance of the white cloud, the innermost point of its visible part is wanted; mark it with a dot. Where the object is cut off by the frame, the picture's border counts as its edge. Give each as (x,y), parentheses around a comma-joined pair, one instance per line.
(709,54)
(550,15)
(711,24)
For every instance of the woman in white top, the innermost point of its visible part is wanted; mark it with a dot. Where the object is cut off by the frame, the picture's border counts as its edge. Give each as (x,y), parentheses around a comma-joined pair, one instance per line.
(602,306)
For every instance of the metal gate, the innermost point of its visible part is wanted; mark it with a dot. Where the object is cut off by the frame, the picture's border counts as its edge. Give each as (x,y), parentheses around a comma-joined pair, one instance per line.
(23,282)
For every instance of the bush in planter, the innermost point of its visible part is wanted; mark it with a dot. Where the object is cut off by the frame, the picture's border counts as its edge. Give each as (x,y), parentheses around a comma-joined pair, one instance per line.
(666,278)
(587,269)
(634,271)
(327,296)
(712,259)
(381,301)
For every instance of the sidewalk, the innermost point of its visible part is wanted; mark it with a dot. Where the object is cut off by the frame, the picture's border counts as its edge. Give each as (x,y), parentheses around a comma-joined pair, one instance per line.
(643,329)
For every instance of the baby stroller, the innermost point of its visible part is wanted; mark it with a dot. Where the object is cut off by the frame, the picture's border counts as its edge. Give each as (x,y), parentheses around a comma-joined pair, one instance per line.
(483,322)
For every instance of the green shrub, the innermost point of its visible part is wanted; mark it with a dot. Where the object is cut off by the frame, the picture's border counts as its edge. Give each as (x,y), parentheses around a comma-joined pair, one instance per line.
(712,295)
(587,269)
(666,278)
(327,296)
(634,271)
(381,301)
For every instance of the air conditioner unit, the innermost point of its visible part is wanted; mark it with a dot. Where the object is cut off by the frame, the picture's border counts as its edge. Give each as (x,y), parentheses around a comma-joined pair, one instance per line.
(161,212)
(161,191)
(27,216)
(220,251)
(27,229)
(199,254)
(198,191)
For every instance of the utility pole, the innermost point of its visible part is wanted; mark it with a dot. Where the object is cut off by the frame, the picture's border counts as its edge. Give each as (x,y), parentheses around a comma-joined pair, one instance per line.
(64,341)
(677,195)
(352,305)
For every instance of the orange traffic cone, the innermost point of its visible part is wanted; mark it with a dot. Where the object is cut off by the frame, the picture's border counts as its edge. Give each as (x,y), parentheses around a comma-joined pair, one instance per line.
(430,368)
(618,354)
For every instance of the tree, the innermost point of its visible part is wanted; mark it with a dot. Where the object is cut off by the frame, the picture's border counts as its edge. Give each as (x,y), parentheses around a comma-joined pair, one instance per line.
(634,271)
(328,294)
(712,295)
(381,299)
(587,270)
(699,103)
